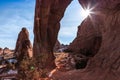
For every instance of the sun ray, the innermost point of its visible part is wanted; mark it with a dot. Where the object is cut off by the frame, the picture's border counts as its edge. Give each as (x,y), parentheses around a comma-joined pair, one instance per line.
(88,11)
(85,13)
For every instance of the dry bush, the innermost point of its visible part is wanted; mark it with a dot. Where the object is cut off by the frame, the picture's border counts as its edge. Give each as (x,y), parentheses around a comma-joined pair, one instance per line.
(28,70)
(65,62)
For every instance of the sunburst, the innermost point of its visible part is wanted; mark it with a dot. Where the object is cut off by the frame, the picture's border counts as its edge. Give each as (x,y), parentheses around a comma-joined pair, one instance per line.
(87,12)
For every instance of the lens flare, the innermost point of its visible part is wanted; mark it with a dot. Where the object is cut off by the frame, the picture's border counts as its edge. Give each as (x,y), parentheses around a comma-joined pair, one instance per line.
(86,13)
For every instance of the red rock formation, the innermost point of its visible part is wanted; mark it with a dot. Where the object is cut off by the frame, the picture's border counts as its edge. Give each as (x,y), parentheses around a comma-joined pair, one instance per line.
(48,14)
(23,52)
(105,22)
(57,46)
(23,45)
(87,38)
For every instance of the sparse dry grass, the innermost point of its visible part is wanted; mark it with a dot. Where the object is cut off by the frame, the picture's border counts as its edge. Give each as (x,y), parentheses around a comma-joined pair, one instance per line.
(64,61)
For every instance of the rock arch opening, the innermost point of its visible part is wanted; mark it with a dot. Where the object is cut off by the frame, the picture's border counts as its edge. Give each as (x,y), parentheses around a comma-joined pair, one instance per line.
(83,50)
(70,21)
(48,15)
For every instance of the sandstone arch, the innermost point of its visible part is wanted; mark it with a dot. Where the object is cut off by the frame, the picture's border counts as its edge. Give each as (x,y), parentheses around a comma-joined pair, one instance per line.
(47,23)
(105,65)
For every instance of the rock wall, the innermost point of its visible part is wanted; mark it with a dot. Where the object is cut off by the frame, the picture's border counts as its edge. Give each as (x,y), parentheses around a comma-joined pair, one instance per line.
(48,14)
(104,22)
(88,40)
(106,19)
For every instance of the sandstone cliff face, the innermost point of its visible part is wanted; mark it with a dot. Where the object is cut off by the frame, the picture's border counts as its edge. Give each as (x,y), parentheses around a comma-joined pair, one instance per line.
(48,14)
(104,23)
(23,45)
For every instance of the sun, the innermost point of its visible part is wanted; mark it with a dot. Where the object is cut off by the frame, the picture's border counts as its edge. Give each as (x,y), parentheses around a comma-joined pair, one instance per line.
(86,13)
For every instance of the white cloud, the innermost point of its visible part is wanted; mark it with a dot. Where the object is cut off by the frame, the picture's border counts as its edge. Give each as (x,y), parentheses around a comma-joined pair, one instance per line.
(7,43)
(67,34)
(15,16)
(68,31)
(12,19)
(70,22)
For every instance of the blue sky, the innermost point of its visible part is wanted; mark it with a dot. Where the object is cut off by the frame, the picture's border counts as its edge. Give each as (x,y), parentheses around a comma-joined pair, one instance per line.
(15,14)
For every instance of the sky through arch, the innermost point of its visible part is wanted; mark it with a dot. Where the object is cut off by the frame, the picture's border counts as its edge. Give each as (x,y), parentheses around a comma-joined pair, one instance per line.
(70,22)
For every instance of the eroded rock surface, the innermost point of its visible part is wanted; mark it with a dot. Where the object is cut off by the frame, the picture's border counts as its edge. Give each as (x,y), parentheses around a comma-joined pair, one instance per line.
(103,24)
(98,36)
(24,54)
(88,40)
(23,45)
(48,14)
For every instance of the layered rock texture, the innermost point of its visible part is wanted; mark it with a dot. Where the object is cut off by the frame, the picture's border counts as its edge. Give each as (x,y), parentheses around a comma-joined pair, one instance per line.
(99,36)
(23,45)
(48,14)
